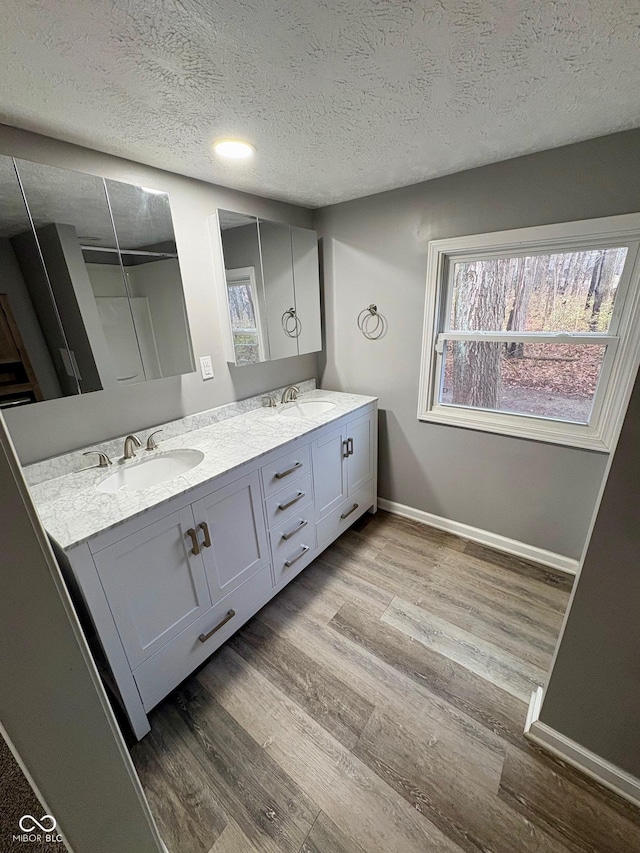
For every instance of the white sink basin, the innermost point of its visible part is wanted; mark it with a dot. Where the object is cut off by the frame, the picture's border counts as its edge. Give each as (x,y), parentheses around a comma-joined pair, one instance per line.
(307,408)
(132,477)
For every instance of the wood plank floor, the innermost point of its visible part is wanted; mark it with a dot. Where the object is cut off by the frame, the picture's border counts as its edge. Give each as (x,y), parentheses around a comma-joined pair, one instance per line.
(377,706)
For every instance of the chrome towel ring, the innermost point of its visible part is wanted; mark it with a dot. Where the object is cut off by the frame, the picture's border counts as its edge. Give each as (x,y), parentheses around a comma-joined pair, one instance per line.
(371,323)
(291,323)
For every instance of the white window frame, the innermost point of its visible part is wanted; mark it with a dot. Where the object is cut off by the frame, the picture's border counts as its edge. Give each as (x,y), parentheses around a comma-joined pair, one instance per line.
(622,356)
(247,275)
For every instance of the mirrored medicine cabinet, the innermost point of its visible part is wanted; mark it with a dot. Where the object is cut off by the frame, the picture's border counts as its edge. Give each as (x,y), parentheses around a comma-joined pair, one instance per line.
(91,295)
(271,290)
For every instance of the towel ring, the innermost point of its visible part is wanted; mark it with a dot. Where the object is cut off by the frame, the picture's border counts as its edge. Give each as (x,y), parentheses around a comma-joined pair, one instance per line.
(371,323)
(291,323)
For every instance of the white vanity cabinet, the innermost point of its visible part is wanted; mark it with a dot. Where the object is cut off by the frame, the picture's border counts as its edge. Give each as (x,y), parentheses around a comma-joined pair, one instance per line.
(165,588)
(162,578)
(156,585)
(344,465)
(232,533)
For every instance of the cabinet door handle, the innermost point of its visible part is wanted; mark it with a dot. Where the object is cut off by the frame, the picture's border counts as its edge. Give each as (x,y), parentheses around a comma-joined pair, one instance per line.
(292,501)
(289,563)
(205,529)
(204,637)
(345,445)
(195,549)
(349,511)
(349,447)
(302,524)
(281,474)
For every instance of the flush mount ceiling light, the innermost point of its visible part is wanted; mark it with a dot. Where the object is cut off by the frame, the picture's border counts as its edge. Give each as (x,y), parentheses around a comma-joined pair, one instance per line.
(234,149)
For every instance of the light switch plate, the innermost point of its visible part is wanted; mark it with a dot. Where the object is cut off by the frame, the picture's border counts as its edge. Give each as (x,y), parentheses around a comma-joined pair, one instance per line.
(206,367)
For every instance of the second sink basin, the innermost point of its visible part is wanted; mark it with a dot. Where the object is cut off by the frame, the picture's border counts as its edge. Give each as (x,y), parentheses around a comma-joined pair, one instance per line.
(307,408)
(152,471)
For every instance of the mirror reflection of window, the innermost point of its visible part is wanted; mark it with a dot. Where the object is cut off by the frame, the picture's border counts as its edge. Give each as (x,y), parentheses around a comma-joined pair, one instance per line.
(244,312)
(245,287)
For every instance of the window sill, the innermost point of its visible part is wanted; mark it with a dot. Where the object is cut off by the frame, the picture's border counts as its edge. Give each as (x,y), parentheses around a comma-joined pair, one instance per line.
(544,430)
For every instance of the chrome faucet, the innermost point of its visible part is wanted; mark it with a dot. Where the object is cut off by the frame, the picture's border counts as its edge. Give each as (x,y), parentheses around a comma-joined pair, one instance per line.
(131,442)
(290,394)
(104,460)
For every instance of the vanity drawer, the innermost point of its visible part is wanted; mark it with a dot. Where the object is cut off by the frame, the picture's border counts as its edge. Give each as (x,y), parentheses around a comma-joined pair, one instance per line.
(161,673)
(334,524)
(287,468)
(285,536)
(298,550)
(288,501)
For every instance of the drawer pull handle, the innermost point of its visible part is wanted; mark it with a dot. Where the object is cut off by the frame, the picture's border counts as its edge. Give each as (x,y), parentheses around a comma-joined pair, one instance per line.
(349,511)
(205,529)
(349,447)
(286,473)
(195,545)
(204,637)
(345,444)
(289,563)
(302,524)
(292,501)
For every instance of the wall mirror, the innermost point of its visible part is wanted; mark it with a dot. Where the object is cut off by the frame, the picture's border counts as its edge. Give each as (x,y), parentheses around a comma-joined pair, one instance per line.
(271,288)
(91,294)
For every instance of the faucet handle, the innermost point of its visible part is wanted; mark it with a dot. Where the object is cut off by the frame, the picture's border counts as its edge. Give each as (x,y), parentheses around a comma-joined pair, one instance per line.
(104,460)
(270,401)
(152,444)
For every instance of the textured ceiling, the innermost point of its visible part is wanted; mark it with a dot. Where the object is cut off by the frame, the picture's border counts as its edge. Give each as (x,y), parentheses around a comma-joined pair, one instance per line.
(342,98)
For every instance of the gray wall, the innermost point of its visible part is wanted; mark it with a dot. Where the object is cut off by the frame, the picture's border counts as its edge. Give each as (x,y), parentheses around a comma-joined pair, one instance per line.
(53,707)
(57,426)
(375,251)
(594,689)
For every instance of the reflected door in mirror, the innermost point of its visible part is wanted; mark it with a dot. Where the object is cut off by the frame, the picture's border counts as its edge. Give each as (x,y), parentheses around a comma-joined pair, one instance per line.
(32,326)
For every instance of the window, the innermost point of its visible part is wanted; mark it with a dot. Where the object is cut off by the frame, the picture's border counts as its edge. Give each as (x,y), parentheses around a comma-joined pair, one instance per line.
(535,332)
(244,312)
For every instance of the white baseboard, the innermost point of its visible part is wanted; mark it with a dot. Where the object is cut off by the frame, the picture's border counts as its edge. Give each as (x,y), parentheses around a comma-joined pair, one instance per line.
(587,762)
(484,537)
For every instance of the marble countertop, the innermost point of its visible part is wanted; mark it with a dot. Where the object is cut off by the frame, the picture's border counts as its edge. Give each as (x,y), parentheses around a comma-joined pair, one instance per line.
(73,510)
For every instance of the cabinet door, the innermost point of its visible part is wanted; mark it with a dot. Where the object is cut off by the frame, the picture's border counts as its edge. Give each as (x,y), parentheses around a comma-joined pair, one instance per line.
(155,585)
(236,545)
(277,271)
(360,462)
(329,471)
(306,277)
